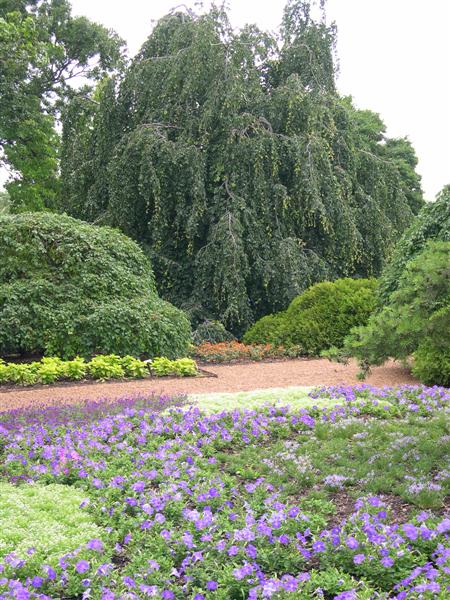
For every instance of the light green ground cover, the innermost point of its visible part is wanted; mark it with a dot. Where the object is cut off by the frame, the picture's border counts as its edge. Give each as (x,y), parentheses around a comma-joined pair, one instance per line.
(47,518)
(296,397)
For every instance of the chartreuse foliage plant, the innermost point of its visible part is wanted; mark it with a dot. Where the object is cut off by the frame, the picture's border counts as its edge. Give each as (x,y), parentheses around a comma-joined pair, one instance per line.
(39,524)
(319,318)
(230,156)
(340,498)
(295,397)
(68,288)
(103,367)
(182,366)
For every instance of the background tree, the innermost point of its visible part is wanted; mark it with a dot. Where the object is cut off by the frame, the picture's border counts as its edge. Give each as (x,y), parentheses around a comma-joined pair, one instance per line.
(233,161)
(4,202)
(432,223)
(412,319)
(43,49)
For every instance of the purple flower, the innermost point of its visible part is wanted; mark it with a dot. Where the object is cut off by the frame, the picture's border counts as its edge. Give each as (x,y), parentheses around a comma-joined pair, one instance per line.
(410,531)
(212,585)
(95,544)
(359,558)
(352,543)
(349,595)
(387,561)
(82,566)
(318,546)
(139,486)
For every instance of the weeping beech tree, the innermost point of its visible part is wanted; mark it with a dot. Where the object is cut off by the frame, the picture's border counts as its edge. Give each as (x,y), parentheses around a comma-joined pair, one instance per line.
(234,162)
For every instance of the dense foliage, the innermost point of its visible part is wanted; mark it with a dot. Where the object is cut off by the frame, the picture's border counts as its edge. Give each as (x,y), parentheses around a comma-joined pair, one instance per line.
(213,332)
(68,288)
(267,330)
(103,366)
(432,223)
(416,320)
(341,502)
(319,318)
(231,158)
(43,48)
(4,202)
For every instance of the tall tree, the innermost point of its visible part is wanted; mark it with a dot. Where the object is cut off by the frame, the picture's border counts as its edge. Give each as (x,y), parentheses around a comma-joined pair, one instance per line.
(43,49)
(232,159)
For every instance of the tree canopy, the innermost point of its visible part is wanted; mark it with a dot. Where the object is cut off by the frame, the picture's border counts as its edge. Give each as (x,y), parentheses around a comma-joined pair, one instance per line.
(43,49)
(231,158)
(432,223)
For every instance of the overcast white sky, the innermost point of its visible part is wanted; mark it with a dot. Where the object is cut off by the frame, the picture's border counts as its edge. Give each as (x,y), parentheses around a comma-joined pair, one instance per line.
(394,59)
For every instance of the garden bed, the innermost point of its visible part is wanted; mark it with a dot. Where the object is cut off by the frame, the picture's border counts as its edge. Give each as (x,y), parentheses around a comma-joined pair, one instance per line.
(346,500)
(6,387)
(229,378)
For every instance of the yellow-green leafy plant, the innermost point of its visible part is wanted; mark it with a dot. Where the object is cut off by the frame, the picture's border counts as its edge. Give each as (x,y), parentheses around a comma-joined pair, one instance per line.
(47,518)
(106,367)
(163,366)
(134,367)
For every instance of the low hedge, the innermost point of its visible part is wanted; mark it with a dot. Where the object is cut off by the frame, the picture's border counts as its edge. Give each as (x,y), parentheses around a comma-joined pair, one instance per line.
(102,367)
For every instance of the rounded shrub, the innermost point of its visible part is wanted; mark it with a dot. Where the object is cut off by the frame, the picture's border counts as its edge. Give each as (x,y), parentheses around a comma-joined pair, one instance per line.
(68,288)
(266,330)
(323,316)
(213,332)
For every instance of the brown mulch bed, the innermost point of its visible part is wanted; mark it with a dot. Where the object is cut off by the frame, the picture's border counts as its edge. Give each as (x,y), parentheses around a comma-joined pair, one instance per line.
(228,378)
(7,387)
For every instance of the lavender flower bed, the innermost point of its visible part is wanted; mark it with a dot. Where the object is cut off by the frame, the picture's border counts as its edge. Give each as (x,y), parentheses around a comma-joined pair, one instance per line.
(242,504)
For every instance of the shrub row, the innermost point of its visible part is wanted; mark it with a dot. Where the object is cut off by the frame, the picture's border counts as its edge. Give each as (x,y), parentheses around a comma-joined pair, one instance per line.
(228,351)
(319,318)
(52,369)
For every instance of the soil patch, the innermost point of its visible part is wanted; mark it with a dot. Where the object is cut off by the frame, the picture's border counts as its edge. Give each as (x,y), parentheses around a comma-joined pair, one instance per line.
(225,378)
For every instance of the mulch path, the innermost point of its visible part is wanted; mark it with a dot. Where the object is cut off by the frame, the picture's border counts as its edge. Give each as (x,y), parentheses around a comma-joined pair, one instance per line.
(227,378)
